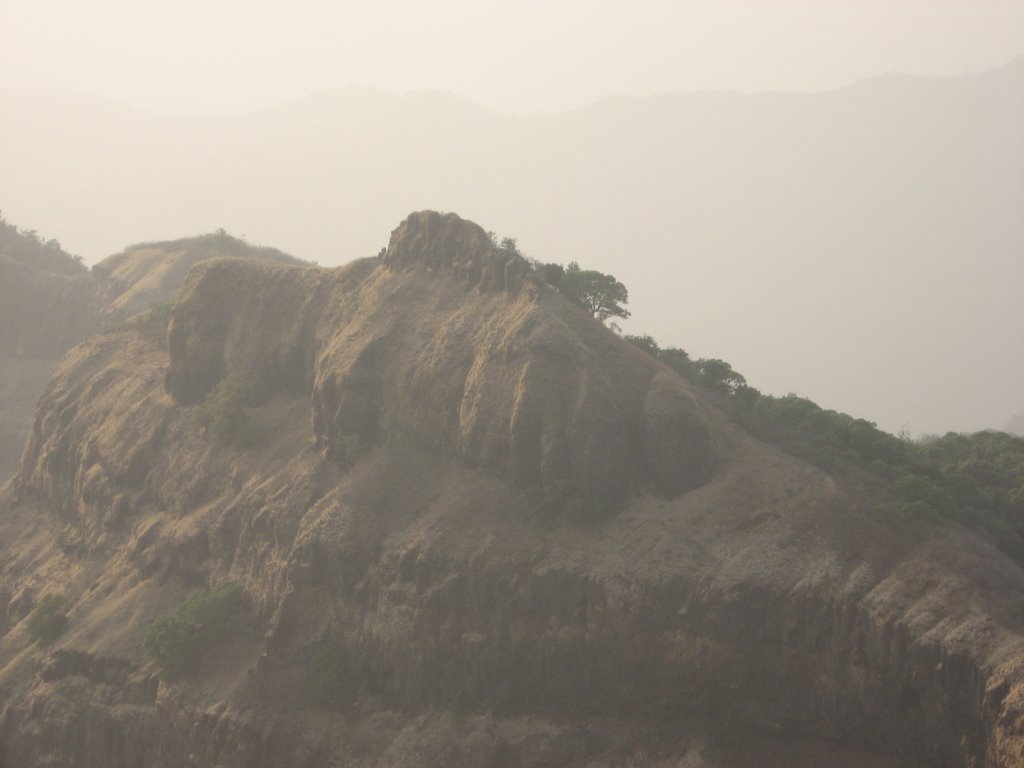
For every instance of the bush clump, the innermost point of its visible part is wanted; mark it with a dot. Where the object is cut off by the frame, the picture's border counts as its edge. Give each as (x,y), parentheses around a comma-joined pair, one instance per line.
(154,321)
(178,640)
(48,621)
(223,415)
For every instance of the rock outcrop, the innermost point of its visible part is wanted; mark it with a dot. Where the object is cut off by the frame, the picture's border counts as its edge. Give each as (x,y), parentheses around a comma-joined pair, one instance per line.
(446,342)
(515,539)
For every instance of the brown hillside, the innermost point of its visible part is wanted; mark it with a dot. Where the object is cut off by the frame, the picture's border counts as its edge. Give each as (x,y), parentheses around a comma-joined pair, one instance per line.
(516,540)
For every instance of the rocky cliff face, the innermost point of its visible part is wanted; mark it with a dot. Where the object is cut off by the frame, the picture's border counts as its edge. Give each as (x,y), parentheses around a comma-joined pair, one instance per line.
(517,540)
(443,341)
(45,312)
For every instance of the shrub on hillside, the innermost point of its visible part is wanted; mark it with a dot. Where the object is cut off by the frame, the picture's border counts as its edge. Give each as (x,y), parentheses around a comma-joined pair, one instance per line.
(159,313)
(223,415)
(976,480)
(178,640)
(151,323)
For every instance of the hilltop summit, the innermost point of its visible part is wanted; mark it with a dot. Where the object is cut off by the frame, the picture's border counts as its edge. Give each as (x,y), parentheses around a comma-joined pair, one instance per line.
(448,346)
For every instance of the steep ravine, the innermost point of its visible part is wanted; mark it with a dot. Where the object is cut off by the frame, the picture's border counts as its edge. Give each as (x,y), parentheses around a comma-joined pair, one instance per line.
(684,596)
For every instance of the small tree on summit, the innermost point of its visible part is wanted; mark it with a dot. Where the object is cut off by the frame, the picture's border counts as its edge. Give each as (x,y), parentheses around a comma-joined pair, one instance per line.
(510,244)
(600,294)
(718,375)
(646,342)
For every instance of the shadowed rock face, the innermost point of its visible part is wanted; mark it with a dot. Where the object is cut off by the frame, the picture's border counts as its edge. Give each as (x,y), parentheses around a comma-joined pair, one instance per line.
(732,606)
(446,340)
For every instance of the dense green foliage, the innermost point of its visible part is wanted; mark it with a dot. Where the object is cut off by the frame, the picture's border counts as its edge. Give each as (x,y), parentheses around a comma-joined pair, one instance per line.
(178,640)
(983,473)
(976,480)
(28,247)
(48,621)
(600,294)
(829,439)
(223,415)
(717,375)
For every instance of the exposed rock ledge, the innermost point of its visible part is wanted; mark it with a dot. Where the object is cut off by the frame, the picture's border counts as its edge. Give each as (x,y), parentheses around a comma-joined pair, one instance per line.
(446,244)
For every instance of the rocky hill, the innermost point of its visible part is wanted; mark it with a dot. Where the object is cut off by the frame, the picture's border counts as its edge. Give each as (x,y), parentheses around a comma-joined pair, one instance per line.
(437,515)
(49,302)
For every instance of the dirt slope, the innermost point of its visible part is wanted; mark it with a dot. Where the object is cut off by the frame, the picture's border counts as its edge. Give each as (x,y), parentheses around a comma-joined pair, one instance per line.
(521,541)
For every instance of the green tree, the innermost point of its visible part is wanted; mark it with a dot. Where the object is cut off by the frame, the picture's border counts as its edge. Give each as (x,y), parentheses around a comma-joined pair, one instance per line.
(549,272)
(178,640)
(598,293)
(718,375)
(678,360)
(645,342)
(223,415)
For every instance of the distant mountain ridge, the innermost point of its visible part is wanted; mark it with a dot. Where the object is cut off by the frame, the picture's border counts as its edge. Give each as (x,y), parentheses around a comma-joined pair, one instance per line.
(878,223)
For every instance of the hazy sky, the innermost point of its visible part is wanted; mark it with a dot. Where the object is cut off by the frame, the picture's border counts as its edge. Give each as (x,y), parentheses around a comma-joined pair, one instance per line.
(332,187)
(227,55)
